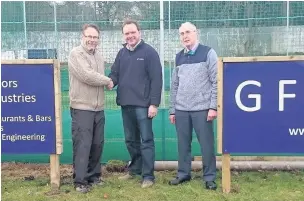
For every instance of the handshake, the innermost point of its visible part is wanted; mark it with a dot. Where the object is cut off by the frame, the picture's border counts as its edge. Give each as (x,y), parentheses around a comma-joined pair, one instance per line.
(110,85)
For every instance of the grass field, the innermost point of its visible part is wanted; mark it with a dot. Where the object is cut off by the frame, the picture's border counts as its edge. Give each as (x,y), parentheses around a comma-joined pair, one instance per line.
(31,182)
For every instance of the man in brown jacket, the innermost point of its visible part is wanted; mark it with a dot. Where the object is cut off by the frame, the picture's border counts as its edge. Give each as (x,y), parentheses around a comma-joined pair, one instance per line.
(87,82)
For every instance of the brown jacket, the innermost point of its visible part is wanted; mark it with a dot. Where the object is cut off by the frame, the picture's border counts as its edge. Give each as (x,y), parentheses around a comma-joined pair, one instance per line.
(87,79)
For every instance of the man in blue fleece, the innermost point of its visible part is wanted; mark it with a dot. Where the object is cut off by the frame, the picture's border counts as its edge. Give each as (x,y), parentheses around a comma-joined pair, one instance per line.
(193,104)
(137,72)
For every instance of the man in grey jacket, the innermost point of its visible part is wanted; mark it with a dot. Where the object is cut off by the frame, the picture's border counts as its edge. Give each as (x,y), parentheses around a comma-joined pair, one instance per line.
(193,104)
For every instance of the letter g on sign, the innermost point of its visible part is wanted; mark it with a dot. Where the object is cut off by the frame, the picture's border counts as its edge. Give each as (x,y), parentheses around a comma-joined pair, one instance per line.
(257,97)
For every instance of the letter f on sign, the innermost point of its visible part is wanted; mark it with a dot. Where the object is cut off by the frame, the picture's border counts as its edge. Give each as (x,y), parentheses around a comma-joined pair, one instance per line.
(282,96)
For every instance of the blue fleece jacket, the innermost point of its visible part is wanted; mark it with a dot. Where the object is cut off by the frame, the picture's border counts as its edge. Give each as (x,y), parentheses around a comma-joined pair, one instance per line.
(138,76)
(194,81)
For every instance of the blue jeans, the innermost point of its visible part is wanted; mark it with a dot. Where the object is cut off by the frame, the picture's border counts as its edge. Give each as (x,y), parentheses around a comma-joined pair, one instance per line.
(139,140)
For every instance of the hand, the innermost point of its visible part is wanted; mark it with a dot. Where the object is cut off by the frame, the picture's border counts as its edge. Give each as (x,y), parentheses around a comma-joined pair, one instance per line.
(110,85)
(152,112)
(172,118)
(212,114)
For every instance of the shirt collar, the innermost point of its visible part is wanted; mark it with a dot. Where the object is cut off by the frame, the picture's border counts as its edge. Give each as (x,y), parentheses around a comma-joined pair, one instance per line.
(133,48)
(193,49)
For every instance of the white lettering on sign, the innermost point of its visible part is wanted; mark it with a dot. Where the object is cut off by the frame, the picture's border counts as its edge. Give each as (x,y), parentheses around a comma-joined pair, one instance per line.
(282,96)
(258,98)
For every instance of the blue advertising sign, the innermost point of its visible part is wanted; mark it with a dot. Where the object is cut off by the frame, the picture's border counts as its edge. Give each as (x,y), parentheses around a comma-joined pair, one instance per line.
(263,107)
(28,109)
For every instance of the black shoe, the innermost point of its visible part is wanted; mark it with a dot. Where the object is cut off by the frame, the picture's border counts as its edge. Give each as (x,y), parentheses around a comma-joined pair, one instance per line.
(211,185)
(96,182)
(177,181)
(82,188)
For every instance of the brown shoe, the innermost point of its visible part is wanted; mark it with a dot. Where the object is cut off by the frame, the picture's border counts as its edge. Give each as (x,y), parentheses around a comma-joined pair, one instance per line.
(147,184)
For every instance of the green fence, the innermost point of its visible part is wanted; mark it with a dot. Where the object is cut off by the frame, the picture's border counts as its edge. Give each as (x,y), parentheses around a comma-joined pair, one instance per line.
(115,149)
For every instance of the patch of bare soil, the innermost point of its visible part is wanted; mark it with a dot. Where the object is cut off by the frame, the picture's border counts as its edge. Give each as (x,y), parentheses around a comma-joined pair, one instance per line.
(29,171)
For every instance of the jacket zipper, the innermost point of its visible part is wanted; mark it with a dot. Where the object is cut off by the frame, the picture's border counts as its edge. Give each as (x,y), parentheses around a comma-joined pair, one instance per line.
(97,87)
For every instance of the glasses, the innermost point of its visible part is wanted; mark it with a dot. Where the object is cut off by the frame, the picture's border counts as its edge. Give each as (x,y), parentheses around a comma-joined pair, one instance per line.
(186,33)
(92,37)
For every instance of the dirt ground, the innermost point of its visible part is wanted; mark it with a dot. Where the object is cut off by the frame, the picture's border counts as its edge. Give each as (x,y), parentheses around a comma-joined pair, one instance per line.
(31,171)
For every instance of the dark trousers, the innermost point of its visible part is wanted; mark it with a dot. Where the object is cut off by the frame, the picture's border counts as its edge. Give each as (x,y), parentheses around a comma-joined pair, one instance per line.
(185,122)
(88,141)
(139,141)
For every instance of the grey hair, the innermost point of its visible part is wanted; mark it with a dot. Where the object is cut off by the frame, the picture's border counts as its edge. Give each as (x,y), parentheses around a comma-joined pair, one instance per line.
(189,24)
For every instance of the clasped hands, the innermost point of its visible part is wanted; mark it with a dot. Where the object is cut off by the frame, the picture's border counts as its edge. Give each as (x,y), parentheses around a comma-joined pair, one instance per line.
(152,111)
(110,85)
